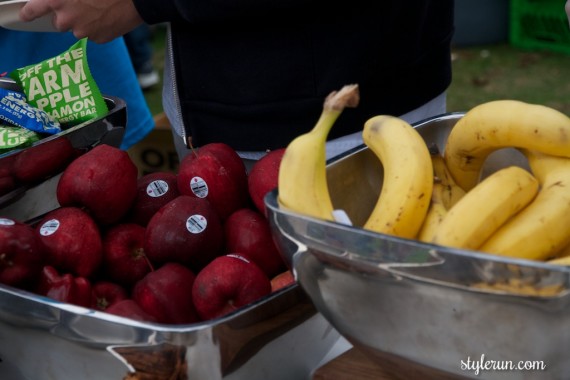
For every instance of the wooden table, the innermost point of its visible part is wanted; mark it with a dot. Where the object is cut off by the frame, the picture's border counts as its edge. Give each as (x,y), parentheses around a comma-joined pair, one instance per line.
(355,365)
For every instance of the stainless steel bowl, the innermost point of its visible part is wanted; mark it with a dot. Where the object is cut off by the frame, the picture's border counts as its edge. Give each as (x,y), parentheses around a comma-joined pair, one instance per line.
(426,309)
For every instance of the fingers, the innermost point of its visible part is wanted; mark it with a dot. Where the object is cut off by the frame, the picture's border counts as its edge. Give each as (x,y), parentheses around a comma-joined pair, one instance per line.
(34,9)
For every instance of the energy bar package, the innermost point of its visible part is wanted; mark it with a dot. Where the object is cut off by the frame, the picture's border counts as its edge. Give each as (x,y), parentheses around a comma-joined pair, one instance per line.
(12,137)
(63,86)
(16,111)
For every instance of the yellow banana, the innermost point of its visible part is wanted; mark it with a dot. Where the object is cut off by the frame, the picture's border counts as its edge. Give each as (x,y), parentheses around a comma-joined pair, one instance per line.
(564,260)
(486,207)
(435,214)
(562,254)
(451,192)
(408,176)
(302,183)
(543,228)
(499,124)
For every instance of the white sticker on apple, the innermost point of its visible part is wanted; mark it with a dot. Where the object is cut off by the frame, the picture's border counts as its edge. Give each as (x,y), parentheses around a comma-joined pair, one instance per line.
(157,188)
(196,224)
(199,187)
(6,222)
(240,257)
(49,227)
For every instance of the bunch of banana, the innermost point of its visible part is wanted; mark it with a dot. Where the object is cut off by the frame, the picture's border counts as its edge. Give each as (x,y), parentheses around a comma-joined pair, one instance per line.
(499,124)
(542,229)
(522,214)
(435,213)
(302,179)
(408,176)
(442,199)
(451,192)
(481,211)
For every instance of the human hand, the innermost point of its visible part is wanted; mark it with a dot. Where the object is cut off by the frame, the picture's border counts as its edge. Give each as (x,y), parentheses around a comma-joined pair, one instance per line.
(99,20)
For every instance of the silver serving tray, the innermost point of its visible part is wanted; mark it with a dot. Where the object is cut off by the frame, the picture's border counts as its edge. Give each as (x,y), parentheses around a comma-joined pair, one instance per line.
(281,336)
(423,307)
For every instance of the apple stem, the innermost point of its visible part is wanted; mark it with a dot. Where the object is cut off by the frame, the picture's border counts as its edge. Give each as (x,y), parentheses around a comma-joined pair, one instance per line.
(194,152)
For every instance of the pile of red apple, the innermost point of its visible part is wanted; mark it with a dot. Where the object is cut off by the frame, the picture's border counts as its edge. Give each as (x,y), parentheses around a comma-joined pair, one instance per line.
(170,248)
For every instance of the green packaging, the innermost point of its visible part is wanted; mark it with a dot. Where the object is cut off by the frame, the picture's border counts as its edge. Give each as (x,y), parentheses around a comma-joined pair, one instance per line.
(12,137)
(63,86)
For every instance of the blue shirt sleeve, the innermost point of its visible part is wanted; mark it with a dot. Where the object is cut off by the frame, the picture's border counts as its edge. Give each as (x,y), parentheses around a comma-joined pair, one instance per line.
(109,63)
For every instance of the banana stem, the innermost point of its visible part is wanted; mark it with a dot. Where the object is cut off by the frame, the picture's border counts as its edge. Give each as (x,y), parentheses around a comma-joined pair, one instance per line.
(335,103)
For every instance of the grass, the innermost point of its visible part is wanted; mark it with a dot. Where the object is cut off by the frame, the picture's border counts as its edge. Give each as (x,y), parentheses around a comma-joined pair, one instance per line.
(487,73)
(480,74)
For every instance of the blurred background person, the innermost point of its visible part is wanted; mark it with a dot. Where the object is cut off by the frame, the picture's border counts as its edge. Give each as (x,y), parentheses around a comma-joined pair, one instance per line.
(109,64)
(139,44)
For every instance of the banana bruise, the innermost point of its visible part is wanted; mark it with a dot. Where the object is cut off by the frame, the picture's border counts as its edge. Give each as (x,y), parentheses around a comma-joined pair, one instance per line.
(451,192)
(486,207)
(499,124)
(302,182)
(408,176)
(435,214)
(542,229)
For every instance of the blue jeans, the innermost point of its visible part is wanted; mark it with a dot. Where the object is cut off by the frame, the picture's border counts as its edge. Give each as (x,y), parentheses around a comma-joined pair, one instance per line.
(138,43)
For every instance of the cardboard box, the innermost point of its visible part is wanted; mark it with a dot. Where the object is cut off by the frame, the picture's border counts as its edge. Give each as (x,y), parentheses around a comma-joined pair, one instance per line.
(156,152)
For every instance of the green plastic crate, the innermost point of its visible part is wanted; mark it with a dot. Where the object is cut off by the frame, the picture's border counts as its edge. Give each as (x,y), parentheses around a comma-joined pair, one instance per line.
(539,25)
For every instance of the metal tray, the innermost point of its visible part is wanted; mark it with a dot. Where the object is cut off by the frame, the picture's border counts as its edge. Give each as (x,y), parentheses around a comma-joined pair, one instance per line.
(433,308)
(279,337)
(282,336)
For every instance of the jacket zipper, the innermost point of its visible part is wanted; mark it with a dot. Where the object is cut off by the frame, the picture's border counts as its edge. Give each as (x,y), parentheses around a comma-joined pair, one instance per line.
(174,89)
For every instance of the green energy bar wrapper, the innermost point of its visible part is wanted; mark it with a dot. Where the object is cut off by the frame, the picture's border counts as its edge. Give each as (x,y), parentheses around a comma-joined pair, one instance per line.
(63,86)
(12,137)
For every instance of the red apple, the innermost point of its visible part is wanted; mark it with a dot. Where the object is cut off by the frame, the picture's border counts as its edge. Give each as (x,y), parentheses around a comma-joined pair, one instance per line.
(247,232)
(166,294)
(103,180)
(106,293)
(21,253)
(129,309)
(229,157)
(72,241)
(124,258)
(154,190)
(282,280)
(226,284)
(8,181)
(263,178)
(64,288)
(44,160)
(211,175)
(186,230)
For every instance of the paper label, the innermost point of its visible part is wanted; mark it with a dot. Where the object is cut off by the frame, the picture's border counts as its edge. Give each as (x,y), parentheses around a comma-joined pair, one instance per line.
(199,187)
(196,224)
(49,227)
(157,188)
(6,222)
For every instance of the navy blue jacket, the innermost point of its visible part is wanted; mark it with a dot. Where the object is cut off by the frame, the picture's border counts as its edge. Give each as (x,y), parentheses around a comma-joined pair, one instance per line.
(254,73)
